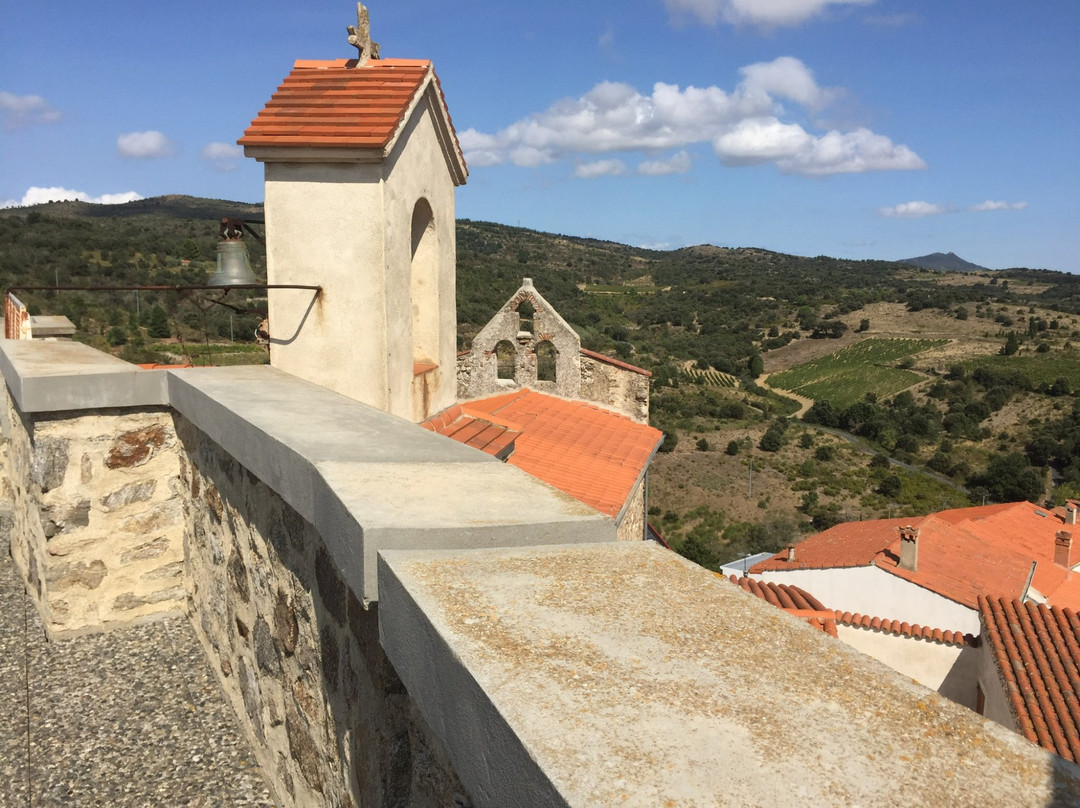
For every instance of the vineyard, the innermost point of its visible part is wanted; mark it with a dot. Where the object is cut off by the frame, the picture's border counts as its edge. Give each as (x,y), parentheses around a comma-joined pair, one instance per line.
(1037,368)
(712,378)
(844,377)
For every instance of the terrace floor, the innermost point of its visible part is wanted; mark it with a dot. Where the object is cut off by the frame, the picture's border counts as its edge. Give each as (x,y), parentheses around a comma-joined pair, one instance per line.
(133,717)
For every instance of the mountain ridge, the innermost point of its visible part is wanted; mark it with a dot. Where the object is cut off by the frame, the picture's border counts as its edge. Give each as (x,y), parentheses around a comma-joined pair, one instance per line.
(946,262)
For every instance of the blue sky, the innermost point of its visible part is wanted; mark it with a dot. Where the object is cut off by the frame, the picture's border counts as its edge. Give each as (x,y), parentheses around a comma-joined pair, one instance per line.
(849,128)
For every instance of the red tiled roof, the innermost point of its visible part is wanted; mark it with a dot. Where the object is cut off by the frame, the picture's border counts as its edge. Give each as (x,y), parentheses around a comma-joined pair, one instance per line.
(494,439)
(1037,653)
(611,360)
(963,553)
(586,451)
(339,105)
(792,599)
(905,629)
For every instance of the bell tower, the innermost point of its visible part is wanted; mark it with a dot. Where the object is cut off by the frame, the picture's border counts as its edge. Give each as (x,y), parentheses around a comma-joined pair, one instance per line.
(360,163)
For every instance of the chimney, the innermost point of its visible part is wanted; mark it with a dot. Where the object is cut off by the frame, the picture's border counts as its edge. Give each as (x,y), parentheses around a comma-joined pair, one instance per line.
(791,552)
(1063,549)
(1070,514)
(909,549)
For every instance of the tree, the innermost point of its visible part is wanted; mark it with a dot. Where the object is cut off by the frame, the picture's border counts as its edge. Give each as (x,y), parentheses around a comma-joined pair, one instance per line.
(1008,478)
(890,486)
(702,445)
(864,324)
(732,448)
(158,325)
(756,366)
(1011,346)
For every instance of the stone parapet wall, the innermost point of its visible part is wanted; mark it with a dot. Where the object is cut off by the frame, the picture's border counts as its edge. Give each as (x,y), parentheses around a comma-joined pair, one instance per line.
(632,526)
(621,389)
(297,654)
(97,530)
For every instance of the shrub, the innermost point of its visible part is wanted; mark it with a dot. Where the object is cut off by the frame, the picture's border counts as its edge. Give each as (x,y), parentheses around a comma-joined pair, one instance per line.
(732,448)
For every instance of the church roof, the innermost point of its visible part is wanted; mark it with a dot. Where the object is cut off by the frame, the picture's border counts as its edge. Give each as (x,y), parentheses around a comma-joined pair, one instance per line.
(336,104)
(591,453)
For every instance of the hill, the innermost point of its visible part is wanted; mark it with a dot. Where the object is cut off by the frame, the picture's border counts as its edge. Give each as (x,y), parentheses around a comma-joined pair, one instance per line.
(925,402)
(946,262)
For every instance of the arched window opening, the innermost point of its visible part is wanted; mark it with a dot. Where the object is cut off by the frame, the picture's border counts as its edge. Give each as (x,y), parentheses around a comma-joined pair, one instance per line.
(526,312)
(506,356)
(424,285)
(545,361)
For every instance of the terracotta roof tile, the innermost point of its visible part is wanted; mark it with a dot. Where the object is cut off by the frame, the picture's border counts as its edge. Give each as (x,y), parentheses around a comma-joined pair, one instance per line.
(337,104)
(593,454)
(1036,650)
(611,360)
(963,553)
(494,439)
(903,629)
(792,599)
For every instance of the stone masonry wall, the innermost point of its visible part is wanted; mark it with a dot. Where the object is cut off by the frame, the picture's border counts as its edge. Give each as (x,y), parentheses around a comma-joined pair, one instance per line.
(632,527)
(623,390)
(297,654)
(97,530)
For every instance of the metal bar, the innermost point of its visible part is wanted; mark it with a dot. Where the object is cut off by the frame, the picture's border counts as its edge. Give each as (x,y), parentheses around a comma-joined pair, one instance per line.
(176,288)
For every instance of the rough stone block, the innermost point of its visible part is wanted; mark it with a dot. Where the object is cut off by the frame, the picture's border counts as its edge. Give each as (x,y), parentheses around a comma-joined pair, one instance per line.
(50,461)
(145,551)
(139,491)
(135,447)
(64,576)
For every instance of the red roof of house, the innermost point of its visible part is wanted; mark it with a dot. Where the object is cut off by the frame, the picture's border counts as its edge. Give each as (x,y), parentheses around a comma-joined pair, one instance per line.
(792,599)
(903,629)
(593,454)
(337,104)
(1036,650)
(963,553)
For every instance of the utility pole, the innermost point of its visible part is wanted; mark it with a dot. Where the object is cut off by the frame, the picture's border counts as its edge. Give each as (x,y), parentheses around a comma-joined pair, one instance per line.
(750,479)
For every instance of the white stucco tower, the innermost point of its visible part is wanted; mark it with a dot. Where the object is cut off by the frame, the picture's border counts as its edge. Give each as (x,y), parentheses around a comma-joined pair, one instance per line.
(361,162)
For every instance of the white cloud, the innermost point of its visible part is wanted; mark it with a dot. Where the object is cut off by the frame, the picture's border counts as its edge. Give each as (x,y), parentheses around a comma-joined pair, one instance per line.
(36,196)
(144,145)
(24,110)
(763,13)
(992,205)
(912,210)
(850,153)
(785,77)
(743,125)
(600,168)
(678,163)
(224,156)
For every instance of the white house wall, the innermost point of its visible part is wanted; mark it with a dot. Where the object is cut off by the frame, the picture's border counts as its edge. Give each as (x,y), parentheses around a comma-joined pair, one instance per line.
(870,591)
(948,669)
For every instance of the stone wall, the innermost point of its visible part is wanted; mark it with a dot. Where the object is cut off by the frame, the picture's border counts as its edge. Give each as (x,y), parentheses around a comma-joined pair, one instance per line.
(297,654)
(632,526)
(611,384)
(97,530)
(478,371)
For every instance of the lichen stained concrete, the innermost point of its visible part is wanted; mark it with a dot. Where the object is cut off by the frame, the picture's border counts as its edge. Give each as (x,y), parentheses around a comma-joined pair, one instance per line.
(633,677)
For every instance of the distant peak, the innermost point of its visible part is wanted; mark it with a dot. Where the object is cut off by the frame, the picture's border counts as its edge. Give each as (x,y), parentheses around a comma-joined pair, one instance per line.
(945,262)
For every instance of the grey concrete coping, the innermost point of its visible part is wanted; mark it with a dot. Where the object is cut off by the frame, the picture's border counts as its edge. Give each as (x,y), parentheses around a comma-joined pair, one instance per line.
(622,674)
(368,480)
(57,376)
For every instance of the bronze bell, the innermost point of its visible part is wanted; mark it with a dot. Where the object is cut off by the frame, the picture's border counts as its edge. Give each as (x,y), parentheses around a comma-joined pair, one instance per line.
(233,265)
